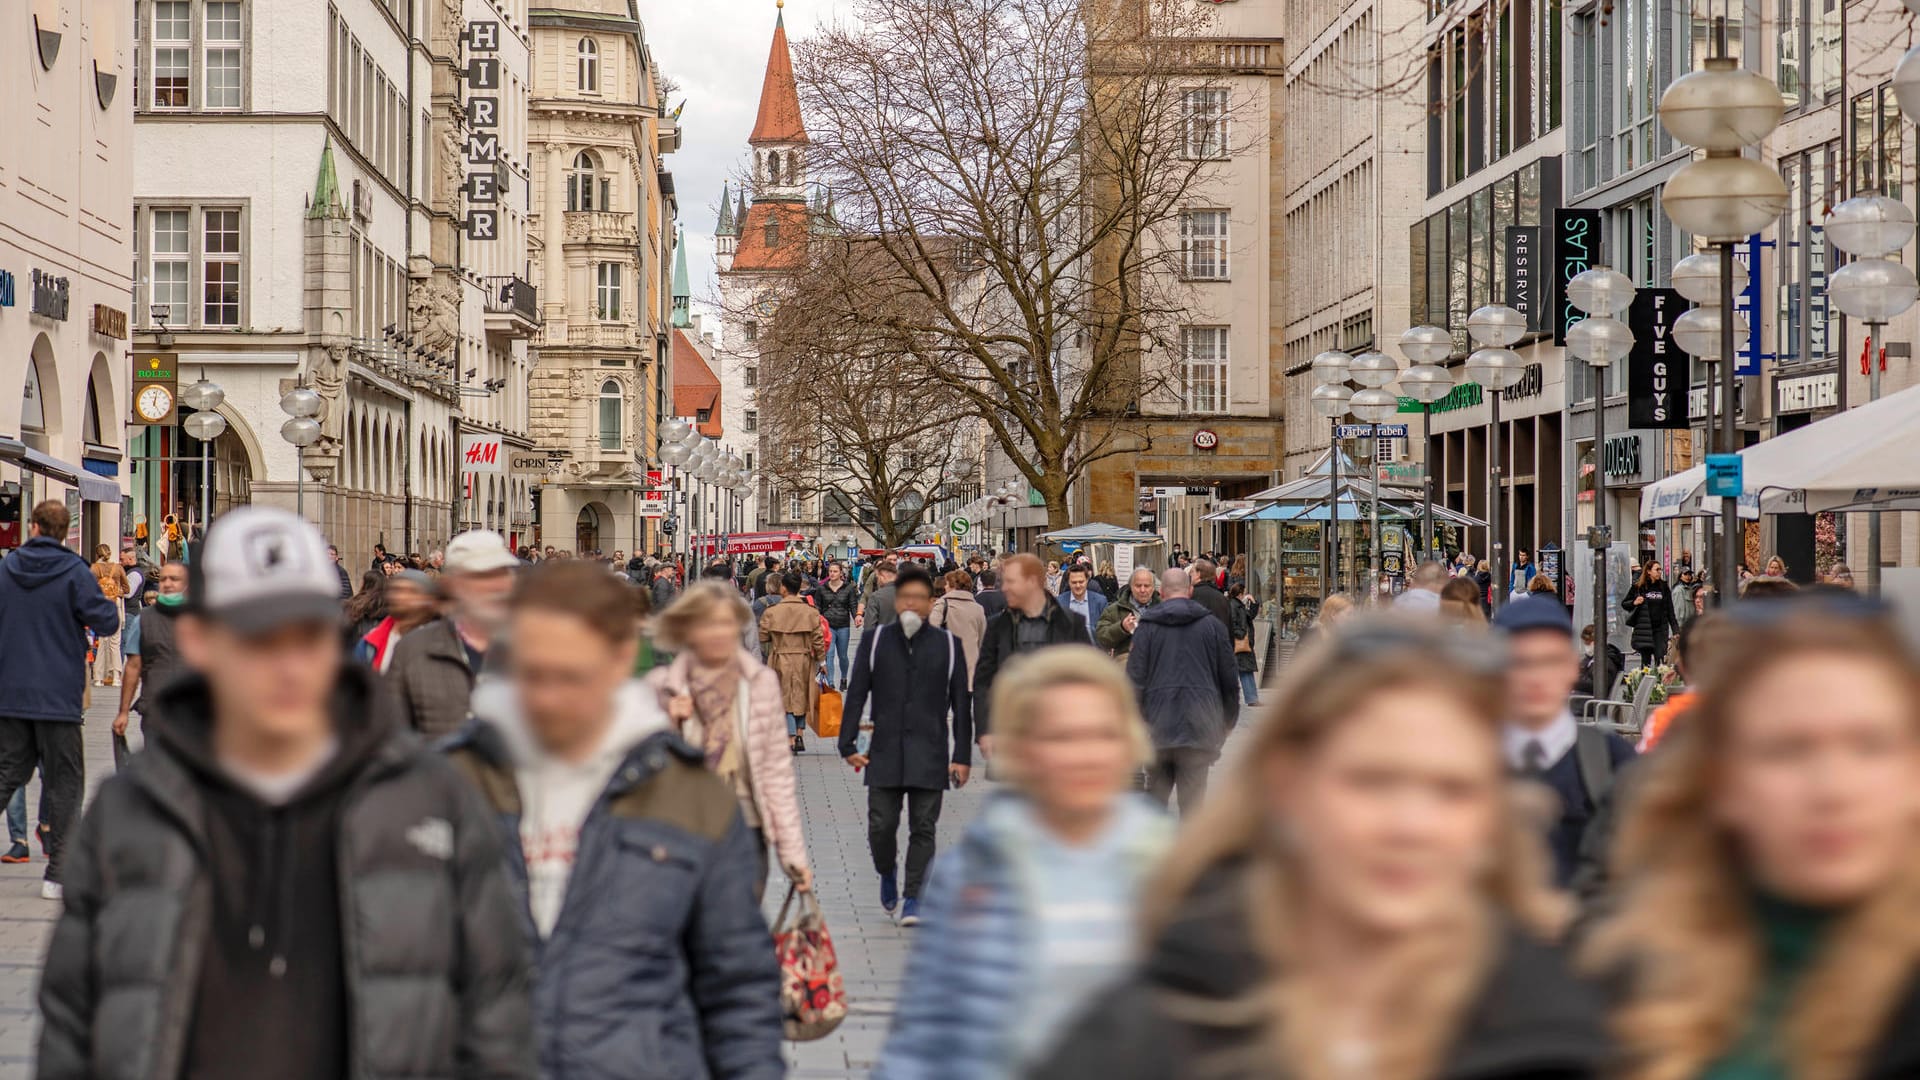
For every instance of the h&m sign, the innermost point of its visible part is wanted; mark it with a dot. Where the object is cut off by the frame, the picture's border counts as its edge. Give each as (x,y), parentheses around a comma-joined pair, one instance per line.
(483,186)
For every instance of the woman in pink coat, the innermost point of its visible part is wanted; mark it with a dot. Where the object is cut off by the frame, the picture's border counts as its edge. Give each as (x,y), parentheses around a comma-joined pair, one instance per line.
(728,703)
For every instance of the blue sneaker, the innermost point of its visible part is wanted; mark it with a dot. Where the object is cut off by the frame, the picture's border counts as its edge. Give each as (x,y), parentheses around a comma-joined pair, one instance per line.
(910,912)
(889,893)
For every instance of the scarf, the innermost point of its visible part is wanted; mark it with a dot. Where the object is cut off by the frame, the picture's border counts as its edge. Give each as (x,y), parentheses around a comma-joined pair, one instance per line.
(714,690)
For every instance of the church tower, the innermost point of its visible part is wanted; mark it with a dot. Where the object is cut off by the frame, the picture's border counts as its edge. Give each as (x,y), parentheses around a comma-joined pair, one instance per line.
(779,136)
(726,233)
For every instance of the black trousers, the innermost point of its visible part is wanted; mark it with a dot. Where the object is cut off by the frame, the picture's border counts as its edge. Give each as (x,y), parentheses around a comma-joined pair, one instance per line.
(55,748)
(883,831)
(1181,769)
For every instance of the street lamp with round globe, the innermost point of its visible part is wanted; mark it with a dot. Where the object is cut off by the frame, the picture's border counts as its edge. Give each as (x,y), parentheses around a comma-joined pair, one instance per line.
(1496,325)
(1906,83)
(1494,368)
(1698,333)
(1697,277)
(1331,367)
(1426,344)
(1331,401)
(1600,341)
(301,401)
(203,395)
(301,431)
(1373,369)
(205,426)
(1869,225)
(1374,405)
(1724,199)
(1872,290)
(1600,291)
(1721,107)
(674,454)
(674,429)
(1427,383)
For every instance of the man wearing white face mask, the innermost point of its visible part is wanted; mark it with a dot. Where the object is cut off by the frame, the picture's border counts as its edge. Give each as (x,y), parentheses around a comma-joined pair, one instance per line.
(915,677)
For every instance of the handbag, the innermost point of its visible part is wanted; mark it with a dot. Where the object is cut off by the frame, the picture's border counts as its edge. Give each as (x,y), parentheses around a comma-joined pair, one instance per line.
(827,709)
(813,1001)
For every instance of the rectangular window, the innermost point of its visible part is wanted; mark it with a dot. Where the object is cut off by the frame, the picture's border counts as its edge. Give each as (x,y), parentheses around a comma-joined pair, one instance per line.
(170,248)
(220,249)
(1206,123)
(221,54)
(750,375)
(172,54)
(753,331)
(609,421)
(751,421)
(796,506)
(1203,375)
(606,296)
(1203,241)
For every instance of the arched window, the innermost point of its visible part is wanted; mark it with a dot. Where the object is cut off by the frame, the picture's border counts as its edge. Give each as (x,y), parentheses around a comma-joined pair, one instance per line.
(587,187)
(611,406)
(589,63)
(793,167)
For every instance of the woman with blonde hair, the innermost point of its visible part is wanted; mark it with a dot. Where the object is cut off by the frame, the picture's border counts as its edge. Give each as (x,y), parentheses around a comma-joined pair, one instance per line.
(1768,864)
(1361,901)
(1460,602)
(1027,920)
(730,705)
(113,585)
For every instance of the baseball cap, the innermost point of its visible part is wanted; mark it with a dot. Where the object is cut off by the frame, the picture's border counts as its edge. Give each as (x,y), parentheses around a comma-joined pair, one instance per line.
(261,568)
(479,551)
(1533,613)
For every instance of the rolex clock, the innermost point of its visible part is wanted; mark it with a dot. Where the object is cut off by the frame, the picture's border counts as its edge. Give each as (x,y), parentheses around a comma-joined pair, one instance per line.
(154,403)
(155,389)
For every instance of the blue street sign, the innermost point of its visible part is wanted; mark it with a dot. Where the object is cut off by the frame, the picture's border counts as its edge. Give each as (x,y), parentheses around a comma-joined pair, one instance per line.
(1368,431)
(1724,476)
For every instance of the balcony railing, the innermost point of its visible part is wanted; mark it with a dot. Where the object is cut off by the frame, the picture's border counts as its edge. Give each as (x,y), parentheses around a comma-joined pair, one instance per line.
(601,226)
(507,294)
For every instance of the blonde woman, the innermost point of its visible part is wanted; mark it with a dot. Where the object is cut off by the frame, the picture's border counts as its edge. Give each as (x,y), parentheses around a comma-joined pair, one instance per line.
(1460,602)
(731,706)
(1028,918)
(1360,901)
(112,578)
(1769,861)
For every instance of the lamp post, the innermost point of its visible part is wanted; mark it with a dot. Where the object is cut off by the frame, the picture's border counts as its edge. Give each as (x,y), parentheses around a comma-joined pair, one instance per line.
(301,429)
(1495,367)
(1331,396)
(1426,348)
(1873,289)
(204,425)
(1601,340)
(1723,198)
(1372,405)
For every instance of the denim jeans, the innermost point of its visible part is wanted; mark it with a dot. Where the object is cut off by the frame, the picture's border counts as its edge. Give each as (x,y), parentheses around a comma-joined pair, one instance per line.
(17,817)
(837,670)
(1249,688)
(795,722)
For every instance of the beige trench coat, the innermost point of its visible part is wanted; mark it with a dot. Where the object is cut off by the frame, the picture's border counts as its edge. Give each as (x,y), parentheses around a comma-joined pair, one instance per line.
(795,645)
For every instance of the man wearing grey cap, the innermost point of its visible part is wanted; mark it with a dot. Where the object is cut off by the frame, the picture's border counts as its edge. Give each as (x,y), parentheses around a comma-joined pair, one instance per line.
(434,668)
(285,883)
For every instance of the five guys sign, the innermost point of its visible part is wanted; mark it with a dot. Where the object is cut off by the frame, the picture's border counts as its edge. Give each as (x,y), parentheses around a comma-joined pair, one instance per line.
(483,131)
(1657,371)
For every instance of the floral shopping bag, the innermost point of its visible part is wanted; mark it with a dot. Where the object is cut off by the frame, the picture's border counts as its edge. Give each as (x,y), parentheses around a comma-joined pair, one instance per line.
(812,999)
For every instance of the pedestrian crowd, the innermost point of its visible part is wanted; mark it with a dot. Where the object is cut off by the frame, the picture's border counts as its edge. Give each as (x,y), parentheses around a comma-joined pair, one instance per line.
(515,814)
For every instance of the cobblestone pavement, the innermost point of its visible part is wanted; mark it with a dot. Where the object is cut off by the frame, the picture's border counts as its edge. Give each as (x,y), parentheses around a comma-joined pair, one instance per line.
(873,951)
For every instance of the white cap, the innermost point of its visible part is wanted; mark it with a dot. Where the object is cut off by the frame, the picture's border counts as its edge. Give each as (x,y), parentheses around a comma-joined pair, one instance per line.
(262,568)
(481,551)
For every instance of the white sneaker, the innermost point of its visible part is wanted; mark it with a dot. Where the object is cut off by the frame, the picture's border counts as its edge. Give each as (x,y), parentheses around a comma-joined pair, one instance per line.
(51,890)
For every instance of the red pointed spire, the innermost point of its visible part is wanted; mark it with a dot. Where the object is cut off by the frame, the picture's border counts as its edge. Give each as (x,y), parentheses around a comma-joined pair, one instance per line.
(779,119)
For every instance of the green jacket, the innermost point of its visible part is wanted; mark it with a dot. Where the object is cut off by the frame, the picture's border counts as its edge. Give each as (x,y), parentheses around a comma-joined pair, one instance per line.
(1111,633)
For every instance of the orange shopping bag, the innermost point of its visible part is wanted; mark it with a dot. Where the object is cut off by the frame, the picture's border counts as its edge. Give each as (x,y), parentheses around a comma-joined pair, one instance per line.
(825,720)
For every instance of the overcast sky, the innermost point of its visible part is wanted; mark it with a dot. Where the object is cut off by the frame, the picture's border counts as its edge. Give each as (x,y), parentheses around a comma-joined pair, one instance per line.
(717,51)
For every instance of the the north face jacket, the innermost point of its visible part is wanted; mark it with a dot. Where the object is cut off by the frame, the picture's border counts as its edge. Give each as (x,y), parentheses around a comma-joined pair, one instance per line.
(660,965)
(171,915)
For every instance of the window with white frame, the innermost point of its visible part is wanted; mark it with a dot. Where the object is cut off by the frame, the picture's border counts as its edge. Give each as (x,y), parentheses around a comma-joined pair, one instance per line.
(169,275)
(220,275)
(220,54)
(587,187)
(589,65)
(172,57)
(1203,369)
(796,506)
(606,295)
(612,404)
(1203,243)
(1206,122)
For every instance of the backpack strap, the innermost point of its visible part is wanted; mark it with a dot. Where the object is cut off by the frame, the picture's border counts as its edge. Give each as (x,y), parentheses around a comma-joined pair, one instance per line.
(1595,759)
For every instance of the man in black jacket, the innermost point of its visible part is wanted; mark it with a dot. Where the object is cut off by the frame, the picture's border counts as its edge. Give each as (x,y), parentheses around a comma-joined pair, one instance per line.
(285,883)
(1032,620)
(987,593)
(1182,667)
(915,676)
(1208,595)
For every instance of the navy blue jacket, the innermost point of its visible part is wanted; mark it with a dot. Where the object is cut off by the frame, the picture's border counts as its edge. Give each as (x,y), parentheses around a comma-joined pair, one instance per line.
(1182,666)
(661,966)
(48,601)
(922,709)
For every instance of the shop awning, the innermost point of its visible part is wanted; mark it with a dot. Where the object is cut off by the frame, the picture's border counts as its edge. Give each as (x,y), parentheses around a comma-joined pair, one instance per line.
(1861,459)
(92,488)
(1096,532)
(767,543)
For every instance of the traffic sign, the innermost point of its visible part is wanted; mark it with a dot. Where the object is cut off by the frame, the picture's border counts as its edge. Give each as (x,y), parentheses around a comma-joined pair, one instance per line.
(1370,431)
(959,526)
(1725,478)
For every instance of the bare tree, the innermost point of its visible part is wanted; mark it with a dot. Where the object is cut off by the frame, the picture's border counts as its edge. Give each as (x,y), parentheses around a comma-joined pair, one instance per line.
(1019,167)
(844,410)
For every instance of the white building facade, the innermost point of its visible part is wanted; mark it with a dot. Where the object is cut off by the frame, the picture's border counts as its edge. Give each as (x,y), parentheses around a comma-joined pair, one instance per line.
(66,143)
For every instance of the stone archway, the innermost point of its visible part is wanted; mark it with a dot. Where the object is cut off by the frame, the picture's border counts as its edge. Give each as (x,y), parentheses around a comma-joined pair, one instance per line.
(591,526)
